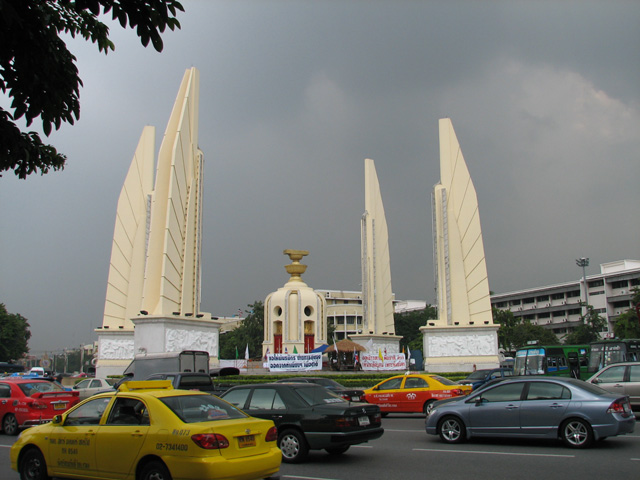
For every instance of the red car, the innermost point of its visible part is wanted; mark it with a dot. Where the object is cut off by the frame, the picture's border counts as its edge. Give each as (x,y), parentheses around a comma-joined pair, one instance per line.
(25,402)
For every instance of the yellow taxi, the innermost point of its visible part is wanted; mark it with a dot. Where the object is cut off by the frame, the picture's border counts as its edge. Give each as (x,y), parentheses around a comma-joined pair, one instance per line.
(413,393)
(149,431)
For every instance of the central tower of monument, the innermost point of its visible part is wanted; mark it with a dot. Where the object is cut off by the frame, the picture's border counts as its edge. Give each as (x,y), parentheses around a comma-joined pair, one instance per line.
(378,326)
(463,335)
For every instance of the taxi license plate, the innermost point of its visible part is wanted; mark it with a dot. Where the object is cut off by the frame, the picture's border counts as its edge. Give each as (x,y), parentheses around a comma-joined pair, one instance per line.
(247,441)
(59,406)
(363,421)
(355,398)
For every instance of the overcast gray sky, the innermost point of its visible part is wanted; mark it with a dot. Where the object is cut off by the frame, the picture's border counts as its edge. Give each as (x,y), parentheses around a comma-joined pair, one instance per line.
(294,95)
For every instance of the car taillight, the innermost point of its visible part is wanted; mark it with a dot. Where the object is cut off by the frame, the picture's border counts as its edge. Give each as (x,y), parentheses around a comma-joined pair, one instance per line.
(457,391)
(346,422)
(377,418)
(616,407)
(272,435)
(210,441)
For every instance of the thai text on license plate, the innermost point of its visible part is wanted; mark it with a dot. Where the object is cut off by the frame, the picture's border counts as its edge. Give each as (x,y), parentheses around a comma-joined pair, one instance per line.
(60,406)
(363,421)
(246,441)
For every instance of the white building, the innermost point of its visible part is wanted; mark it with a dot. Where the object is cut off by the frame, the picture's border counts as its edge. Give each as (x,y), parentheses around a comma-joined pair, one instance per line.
(557,307)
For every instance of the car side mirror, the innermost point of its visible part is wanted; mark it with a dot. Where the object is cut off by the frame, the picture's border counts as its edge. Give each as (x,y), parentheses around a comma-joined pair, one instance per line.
(595,380)
(478,400)
(375,388)
(56,420)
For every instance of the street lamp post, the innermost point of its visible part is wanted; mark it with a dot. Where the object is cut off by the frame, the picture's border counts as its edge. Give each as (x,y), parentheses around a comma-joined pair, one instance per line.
(584,263)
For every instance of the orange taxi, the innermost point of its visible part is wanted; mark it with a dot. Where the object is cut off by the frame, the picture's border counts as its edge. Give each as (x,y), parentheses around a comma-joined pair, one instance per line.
(413,393)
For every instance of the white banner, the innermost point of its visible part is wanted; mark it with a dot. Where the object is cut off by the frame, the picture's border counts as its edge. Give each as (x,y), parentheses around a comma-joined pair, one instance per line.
(392,361)
(295,362)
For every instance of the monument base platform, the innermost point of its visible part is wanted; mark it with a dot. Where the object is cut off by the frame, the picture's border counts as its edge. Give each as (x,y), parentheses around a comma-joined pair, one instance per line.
(384,343)
(155,334)
(460,349)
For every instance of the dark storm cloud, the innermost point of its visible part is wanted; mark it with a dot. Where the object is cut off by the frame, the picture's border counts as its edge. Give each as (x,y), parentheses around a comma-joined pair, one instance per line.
(543,96)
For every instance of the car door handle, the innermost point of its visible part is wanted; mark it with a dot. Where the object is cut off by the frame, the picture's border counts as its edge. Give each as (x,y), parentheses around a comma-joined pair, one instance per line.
(556,405)
(277,417)
(511,407)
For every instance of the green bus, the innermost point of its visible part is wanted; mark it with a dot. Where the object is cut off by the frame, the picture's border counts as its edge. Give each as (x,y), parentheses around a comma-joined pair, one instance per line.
(553,360)
(606,352)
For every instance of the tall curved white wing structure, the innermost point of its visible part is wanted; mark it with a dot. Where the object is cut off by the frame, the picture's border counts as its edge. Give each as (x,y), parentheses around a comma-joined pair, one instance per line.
(461,271)
(172,279)
(376,266)
(128,250)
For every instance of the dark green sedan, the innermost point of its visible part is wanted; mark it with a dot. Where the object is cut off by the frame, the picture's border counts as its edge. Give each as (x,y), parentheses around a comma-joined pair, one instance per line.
(308,417)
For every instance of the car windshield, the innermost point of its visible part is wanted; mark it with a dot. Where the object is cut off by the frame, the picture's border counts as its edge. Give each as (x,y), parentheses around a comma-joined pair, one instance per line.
(477,375)
(444,381)
(319,396)
(39,387)
(201,408)
(326,382)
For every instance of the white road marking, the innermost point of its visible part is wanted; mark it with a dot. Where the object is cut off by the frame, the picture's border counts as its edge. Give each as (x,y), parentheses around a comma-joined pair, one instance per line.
(491,453)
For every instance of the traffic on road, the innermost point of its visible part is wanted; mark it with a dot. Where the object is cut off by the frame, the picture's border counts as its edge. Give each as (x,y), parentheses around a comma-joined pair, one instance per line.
(406,451)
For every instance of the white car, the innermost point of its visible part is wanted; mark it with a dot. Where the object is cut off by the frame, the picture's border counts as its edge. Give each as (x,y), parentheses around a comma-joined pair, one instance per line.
(91,386)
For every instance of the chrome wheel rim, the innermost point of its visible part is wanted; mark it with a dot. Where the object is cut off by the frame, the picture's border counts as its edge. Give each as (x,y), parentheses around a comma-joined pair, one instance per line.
(450,430)
(290,446)
(10,425)
(576,433)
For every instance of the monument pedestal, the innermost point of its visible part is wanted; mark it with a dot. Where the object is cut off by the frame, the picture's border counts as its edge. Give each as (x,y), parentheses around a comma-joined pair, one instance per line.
(460,349)
(384,343)
(155,334)
(115,351)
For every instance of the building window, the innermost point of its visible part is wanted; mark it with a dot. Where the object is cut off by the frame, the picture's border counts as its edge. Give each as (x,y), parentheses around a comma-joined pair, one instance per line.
(623,304)
(596,283)
(620,284)
(557,296)
(575,293)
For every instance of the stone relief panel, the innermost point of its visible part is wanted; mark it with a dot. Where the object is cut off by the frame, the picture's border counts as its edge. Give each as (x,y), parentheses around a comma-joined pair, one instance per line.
(116,348)
(181,339)
(461,345)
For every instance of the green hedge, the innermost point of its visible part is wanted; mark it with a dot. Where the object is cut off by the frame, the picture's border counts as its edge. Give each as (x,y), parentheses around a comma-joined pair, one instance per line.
(356,380)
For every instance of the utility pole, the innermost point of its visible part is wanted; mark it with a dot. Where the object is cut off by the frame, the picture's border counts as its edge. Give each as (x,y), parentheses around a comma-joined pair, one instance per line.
(584,263)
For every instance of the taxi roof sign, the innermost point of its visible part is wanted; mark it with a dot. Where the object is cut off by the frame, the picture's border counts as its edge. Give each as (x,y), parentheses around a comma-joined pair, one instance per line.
(137,385)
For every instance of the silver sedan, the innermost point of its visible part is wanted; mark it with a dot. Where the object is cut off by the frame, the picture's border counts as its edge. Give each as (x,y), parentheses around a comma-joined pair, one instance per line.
(577,412)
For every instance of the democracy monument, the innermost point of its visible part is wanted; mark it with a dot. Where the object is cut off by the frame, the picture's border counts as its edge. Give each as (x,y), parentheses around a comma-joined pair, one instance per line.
(153,295)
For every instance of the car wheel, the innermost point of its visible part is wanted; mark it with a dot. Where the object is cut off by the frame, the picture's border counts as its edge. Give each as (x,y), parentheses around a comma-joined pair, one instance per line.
(10,424)
(33,466)
(293,445)
(576,433)
(428,406)
(155,471)
(451,430)
(337,450)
